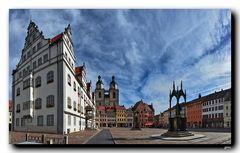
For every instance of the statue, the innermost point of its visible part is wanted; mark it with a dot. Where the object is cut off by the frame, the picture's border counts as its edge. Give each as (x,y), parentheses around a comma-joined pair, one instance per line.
(136,121)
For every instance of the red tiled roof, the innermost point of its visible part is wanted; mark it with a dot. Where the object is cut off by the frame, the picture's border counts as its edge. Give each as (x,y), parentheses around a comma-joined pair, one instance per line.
(120,107)
(56,38)
(10,104)
(78,70)
(101,108)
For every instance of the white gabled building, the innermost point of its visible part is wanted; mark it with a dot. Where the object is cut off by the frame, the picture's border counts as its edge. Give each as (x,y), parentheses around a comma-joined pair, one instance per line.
(49,93)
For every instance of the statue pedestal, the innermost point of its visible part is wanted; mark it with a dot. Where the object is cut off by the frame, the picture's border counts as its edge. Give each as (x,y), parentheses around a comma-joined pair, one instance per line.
(177,127)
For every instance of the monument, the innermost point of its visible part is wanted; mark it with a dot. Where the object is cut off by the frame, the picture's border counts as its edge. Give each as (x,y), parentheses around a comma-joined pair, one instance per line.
(136,121)
(177,123)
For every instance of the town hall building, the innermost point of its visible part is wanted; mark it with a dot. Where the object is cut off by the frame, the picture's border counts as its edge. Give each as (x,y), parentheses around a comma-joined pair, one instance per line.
(49,93)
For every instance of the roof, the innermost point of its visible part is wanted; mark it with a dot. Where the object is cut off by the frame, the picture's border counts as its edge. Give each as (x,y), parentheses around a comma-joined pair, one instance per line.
(109,109)
(78,70)
(151,107)
(217,95)
(56,38)
(10,104)
(101,108)
(143,103)
(120,107)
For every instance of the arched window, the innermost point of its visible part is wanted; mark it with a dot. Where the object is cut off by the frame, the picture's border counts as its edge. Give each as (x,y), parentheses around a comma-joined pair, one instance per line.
(38,103)
(69,79)
(50,101)
(114,95)
(99,95)
(38,82)
(50,76)
(69,102)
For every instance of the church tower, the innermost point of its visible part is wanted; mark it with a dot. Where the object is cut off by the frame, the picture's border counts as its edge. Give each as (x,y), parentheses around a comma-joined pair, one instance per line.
(99,92)
(113,93)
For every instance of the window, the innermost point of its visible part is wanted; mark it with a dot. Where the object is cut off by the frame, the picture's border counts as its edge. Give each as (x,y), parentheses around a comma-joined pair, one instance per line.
(114,95)
(99,95)
(79,108)
(69,79)
(50,77)
(227,114)
(226,107)
(34,64)
(50,101)
(24,57)
(40,61)
(18,108)
(215,108)
(74,106)
(220,107)
(28,54)
(78,90)
(34,49)
(38,82)
(38,103)
(50,120)
(26,83)
(22,121)
(40,120)
(69,120)
(17,122)
(39,45)
(69,102)
(74,86)
(26,105)
(74,120)
(18,91)
(45,58)
(28,69)
(20,74)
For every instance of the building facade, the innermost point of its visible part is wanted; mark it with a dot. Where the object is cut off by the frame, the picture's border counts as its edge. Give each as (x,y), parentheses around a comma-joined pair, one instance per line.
(48,94)
(194,111)
(146,113)
(213,109)
(10,108)
(129,117)
(227,110)
(121,116)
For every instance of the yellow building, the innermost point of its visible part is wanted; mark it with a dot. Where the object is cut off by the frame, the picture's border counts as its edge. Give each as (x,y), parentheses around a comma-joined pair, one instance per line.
(121,116)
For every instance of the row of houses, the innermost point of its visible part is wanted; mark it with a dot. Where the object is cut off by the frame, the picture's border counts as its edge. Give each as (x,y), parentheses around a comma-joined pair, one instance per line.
(210,111)
(119,116)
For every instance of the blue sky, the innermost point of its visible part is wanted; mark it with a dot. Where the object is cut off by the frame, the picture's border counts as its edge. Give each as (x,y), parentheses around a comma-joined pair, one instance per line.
(145,49)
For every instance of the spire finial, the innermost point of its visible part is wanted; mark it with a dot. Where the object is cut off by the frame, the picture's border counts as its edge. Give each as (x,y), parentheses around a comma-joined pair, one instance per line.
(99,77)
(173,85)
(113,77)
(181,84)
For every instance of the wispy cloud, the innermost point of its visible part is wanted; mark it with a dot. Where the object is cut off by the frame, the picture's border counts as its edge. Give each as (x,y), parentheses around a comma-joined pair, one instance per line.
(145,49)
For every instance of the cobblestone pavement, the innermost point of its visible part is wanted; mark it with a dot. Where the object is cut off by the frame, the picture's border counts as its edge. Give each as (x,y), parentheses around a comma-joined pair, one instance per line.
(103,137)
(73,138)
(128,136)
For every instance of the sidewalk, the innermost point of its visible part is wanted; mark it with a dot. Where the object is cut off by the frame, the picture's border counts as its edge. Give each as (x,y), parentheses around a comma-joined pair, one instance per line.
(73,138)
